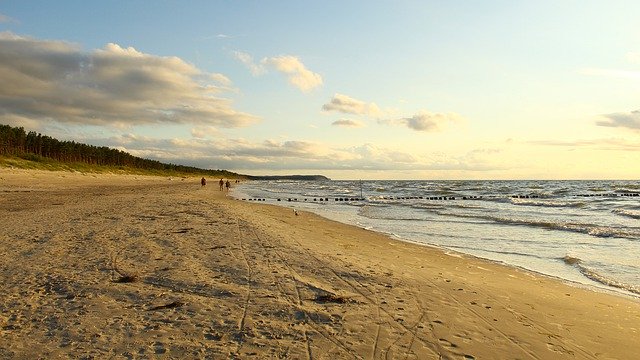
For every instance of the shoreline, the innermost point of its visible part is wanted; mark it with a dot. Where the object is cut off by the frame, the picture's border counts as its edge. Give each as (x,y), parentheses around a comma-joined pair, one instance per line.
(566,267)
(218,277)
(596,286)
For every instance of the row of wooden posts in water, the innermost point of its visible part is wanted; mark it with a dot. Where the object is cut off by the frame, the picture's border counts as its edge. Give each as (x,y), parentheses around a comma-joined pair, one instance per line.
(611,195)
(350,199)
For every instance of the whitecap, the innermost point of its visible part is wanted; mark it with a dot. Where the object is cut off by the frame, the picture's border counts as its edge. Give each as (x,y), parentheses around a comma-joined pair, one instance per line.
(634,214)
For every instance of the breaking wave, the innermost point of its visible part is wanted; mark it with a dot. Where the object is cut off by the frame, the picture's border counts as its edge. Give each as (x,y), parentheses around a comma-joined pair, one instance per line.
(597,277)
(583,228)
(634,214)
(547,203)
(513,219)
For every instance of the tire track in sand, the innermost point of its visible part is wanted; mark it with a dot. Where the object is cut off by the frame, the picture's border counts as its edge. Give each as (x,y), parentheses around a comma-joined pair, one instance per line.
(295,277)
(372,299)
(247,300)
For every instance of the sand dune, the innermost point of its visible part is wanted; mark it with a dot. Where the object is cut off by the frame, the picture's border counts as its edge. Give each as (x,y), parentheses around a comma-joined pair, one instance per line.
(106,266)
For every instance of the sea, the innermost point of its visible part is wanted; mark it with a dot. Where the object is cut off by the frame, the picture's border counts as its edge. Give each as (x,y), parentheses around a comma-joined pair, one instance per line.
(583,232)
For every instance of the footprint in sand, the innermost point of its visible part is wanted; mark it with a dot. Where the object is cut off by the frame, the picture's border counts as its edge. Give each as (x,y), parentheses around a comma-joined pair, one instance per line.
(159,348)
(213,336)
(447,343)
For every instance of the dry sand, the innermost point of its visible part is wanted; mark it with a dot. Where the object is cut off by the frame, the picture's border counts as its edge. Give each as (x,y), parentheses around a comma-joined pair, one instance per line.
(105,266)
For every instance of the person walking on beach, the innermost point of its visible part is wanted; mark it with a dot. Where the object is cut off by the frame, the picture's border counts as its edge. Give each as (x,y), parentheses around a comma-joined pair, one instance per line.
(228,185)
(203,182)
(221,184)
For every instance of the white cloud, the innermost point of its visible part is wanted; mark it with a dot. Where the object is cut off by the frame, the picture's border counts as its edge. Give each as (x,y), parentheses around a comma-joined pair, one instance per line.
(475,160)
(428,122)
(374,157)
(203,132)
(298,74)
(629,120)
(348,123)
(609,144)
(272,156)
(220,79)
(422,121)
(348,105)
(247,60)
(48,81)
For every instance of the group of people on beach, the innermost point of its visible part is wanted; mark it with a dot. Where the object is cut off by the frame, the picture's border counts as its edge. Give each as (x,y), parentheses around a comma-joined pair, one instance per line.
(222,183)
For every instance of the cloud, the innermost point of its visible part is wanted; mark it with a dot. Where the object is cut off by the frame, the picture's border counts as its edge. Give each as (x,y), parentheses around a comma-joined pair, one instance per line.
(374,157)
(633,57)
(348,105)
(247,60)
(4,19)
(615,144)
(626,120)
(203,132)
(299,76)
(223,153)
(221,79)
(348,123)
(479,160)
(273,156)
(427,121)
(46,80)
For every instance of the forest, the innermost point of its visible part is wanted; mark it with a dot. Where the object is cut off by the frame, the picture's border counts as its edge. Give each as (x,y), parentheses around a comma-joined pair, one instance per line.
(16,142)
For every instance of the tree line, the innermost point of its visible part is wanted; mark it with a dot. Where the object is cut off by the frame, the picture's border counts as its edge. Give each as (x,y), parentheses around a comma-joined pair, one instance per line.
(16,142)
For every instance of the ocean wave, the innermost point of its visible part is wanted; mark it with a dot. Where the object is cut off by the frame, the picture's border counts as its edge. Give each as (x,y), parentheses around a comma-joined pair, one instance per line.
(436,207)
(370,212)
(610,231)
(547,203)
(503,252)
(597,189)
(429,205)
(377,204)
(634,214)
(570,260)
(597,277)
(627,187)
(584,228)
(601,231)
(497,199)
(444,192)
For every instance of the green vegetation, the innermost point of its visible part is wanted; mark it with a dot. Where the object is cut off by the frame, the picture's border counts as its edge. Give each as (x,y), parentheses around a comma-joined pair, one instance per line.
(23,150)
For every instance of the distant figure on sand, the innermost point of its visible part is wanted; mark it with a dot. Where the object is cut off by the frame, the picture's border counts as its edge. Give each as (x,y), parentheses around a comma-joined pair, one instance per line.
(203,181)
(228,185)
(221,184)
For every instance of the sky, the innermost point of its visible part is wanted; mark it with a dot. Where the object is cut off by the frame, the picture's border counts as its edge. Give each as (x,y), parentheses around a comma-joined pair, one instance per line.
(495,89)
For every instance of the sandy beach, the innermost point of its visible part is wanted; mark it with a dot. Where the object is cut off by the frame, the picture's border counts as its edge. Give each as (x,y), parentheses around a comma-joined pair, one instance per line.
(134,267)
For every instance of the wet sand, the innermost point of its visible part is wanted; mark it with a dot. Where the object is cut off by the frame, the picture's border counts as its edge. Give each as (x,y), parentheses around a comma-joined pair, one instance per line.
(114,266)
